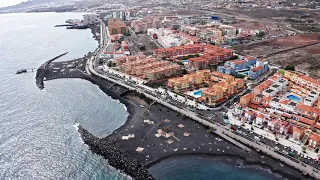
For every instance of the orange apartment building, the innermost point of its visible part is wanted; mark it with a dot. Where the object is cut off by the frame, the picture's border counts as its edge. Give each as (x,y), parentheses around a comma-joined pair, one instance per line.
(130,67)
(187,81)
(147,68)
(117,26)
(178,50)
(162,72)
(126,59)
(221,91)
(221,86)
(212,55)
(303,81)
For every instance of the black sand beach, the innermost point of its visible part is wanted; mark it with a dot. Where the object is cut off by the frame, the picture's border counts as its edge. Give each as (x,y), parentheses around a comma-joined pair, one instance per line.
(199,142)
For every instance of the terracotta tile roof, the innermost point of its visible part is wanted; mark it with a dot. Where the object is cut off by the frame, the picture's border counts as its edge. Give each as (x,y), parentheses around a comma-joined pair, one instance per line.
(306,120)
(296,129)
(284,123)
(255,69)
(249,58)
(304,107)
(306,78)
(198,59)
(260,116)
(315,137)
(238,61)
(250,112)
(284,101)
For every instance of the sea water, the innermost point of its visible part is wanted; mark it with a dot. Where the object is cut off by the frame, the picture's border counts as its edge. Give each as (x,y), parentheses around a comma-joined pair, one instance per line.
(38,137)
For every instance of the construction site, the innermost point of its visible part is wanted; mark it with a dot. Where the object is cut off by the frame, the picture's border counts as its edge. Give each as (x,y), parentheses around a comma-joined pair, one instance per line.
(141,43)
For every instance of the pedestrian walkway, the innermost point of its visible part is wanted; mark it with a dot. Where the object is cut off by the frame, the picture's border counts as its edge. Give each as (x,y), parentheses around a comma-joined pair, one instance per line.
(219,130)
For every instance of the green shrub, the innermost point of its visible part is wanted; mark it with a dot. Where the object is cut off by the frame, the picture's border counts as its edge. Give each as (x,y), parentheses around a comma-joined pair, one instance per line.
(290,67)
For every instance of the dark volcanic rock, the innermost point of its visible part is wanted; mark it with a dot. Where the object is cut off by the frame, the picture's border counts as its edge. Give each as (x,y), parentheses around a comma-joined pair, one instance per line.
(116,156)
(41,72)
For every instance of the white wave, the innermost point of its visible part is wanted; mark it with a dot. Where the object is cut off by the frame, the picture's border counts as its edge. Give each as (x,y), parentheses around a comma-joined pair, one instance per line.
(125,107)
(76,126)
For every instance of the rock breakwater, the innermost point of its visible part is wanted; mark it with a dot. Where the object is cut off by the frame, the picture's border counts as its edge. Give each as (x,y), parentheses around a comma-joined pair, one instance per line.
(117,157)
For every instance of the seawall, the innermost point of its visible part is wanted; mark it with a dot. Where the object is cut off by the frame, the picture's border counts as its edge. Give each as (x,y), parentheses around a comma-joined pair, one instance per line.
(116,156)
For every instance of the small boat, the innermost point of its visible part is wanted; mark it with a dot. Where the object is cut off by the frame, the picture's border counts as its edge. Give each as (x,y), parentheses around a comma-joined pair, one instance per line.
(21,71)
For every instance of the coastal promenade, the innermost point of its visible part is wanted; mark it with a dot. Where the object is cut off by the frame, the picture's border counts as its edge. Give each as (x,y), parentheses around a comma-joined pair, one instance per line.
(221,131)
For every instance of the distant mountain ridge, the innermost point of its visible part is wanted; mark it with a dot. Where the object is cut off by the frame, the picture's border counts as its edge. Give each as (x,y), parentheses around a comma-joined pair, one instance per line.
(28,4)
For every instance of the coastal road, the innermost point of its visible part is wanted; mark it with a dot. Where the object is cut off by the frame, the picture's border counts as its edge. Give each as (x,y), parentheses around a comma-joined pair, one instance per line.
(222,131)
(219,130)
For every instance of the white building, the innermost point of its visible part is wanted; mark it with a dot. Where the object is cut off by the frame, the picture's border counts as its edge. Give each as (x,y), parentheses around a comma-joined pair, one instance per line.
(277,86)
(90,18)
(311,99)
(167,38)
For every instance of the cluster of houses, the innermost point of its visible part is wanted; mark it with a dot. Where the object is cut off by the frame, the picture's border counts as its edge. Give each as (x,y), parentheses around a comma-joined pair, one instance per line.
(208,54)
(287,104)
(146,68)
(216,87)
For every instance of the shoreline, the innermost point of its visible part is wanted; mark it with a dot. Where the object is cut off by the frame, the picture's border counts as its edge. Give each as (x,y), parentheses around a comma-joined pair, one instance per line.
(132,109)
(228,158)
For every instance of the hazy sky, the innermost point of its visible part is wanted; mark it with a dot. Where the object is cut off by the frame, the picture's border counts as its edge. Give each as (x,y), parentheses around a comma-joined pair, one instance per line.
(4,3)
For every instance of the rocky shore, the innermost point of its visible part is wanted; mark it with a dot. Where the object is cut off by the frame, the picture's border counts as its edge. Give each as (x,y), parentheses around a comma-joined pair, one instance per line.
(116,156)
(120,152)
(42,71)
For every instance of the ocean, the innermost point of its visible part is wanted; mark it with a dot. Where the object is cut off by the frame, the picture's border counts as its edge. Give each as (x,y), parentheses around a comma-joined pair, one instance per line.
(38,137)
(206,168)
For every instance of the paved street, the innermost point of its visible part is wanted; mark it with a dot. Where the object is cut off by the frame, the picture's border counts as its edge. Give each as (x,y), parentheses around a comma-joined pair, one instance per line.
(220,130)
(208,119)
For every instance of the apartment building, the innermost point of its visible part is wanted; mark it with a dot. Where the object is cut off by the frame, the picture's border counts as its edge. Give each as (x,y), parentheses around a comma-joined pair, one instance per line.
(303,80)
(221,91)
(147,68)
(179,50)
(117,26)
(256,72)
(162,72)
(142,25)
(245,63)
(187,81)
(213,56)
(121,60)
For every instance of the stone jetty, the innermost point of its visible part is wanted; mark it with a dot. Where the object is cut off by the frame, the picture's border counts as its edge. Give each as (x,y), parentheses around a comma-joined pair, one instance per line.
(116,156)
(41,72)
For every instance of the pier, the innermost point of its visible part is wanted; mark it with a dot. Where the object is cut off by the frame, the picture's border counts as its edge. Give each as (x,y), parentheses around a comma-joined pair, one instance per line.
(26,70)
(41,71)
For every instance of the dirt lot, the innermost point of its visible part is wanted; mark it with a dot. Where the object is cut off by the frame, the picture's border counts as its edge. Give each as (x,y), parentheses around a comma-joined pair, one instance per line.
(313,50)
(142,43)
(294,41)
(305,59)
